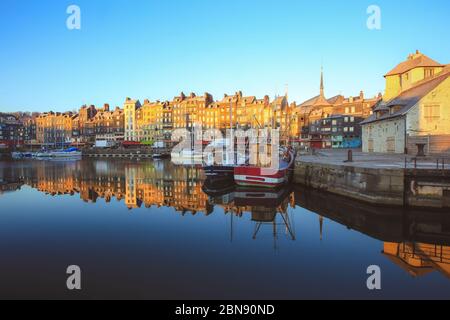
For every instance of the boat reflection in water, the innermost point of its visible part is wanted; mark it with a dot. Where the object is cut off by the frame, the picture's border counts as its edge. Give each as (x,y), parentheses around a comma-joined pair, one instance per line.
(267,207)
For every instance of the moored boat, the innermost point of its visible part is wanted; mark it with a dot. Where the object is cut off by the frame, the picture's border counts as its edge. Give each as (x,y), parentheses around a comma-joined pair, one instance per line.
(229,160)
(187,157)
(68,153)
(259,176)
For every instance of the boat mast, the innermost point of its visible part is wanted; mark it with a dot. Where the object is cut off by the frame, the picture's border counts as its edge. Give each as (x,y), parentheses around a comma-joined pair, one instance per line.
(231,156)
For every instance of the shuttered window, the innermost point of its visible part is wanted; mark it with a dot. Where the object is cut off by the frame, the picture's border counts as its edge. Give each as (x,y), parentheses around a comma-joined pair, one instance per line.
(432,113)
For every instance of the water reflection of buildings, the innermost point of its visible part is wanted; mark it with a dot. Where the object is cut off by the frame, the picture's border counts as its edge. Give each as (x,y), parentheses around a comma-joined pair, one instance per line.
(419,259)
(10,181)
(155,184)
(416,241)
(137,184)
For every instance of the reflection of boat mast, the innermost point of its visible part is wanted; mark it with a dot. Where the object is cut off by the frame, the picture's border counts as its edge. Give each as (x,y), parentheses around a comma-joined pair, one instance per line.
(321,227)
(231,227)
(265,217)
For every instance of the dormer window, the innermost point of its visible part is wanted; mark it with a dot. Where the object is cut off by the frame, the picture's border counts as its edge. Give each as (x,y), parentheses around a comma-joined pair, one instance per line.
(395,109)
(429,73)
(380,113)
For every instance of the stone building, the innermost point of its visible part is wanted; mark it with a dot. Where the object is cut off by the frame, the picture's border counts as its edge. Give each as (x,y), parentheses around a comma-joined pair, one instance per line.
(414,112)
(188,111)
(109,124)
(85,125)
(54,128)
(11,130)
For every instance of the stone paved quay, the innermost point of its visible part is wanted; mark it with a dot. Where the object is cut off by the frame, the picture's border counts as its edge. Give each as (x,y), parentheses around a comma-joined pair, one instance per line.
(379,179)
(374,160)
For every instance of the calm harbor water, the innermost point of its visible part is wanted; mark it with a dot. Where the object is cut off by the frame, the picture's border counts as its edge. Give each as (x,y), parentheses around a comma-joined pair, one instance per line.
(144,229)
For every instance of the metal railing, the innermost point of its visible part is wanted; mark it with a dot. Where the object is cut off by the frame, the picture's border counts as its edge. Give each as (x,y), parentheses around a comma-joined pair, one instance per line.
(427,163)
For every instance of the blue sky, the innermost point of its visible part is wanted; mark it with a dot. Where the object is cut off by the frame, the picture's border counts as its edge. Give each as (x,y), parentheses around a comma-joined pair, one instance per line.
(156,49)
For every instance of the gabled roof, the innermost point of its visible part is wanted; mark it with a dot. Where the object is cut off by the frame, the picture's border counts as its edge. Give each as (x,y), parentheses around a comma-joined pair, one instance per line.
(408,99)
(321,102)
(309,102)
(279,100)
(414,61)
(336,99)
(249,99)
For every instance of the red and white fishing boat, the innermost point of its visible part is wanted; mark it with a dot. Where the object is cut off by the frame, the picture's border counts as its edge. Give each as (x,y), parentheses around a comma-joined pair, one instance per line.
(257,176)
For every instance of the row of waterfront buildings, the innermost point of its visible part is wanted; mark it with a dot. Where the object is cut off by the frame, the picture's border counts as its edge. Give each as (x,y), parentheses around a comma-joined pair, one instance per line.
(415,108)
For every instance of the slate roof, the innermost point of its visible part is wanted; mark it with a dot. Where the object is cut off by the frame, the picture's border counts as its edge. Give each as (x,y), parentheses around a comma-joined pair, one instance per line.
(407,99)
(420,60)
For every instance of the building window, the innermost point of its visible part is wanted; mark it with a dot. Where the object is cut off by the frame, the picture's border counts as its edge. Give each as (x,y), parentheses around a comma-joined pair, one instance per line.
(390,144)
(432,113)
(429,73)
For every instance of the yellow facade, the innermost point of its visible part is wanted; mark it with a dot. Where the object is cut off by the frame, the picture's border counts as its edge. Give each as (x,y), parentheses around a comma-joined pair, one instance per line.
(148,121)
(54,128)
(434,112)
(130,108)
(416,68)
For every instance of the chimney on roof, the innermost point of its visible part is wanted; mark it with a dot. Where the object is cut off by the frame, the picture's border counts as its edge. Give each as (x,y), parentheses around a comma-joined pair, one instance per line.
(106,107)
(361,95)
(192,95)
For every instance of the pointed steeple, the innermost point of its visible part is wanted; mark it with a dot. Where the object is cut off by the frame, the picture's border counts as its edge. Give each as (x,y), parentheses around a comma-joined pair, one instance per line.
(322,88)
(321,100)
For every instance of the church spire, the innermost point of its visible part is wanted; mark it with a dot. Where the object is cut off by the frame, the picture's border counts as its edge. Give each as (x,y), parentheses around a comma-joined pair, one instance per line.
(322,89)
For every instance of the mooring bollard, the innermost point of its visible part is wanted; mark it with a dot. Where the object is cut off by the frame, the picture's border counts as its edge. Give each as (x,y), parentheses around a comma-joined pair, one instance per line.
(349,156)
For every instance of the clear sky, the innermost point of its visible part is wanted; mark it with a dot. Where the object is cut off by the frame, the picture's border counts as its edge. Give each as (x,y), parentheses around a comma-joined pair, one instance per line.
(157,48)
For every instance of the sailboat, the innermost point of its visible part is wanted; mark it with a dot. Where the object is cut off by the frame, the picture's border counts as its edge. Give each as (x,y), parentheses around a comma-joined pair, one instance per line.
(61,153)
(258,175)
(189,156)
(223,172)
